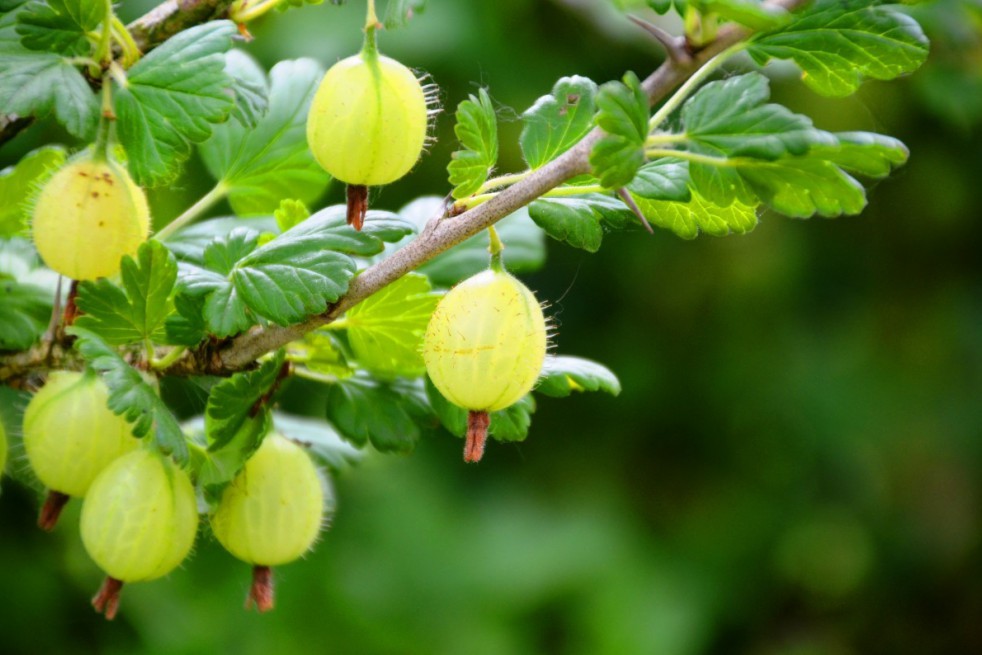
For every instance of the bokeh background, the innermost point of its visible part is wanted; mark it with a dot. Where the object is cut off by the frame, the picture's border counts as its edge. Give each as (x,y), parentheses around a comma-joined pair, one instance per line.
(794,465)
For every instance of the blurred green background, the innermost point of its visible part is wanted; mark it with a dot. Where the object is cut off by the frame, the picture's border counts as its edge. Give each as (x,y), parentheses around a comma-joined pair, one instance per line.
(794,465)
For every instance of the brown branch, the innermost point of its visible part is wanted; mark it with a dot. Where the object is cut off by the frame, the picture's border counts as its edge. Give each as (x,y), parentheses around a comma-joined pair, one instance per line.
(150,30)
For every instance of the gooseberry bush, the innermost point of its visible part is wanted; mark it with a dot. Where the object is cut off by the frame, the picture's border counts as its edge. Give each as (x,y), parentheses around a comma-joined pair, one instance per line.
(412,320)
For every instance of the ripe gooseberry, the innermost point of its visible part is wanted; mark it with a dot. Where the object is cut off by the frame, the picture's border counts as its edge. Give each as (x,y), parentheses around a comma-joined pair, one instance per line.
(271,513)
(138,522)
(87,216)
(367,122)
(484,348)
(70,436)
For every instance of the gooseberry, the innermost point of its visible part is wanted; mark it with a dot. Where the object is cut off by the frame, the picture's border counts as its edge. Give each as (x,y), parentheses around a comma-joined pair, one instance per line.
(87,216)
(70,436)
(271,513)
(484,348)
(138,522)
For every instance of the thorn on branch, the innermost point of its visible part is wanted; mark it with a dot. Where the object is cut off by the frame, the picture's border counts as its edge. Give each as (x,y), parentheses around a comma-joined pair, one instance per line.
(674,46)
(629,201)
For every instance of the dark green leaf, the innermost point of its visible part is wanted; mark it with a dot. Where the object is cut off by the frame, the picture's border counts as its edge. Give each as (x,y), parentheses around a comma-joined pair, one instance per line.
(838,43)
(60,26)
(18,184)
(732,118)
(189,244)
(477,131)
(665,6)
(131,397)
(384,413)
(386,329)
(804,187)
(217,467)
(186,327)
(623,115)
(171,99)
(863,153)
(686,219)
(558,120)
(562,375)
(138,313)
(399,12)
(580,221)
(234,400)
(38,84)
(24,314)
(261,165)
(248,87)
(666,178)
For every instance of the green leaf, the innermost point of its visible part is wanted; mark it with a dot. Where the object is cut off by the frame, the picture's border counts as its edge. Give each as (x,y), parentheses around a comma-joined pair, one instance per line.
(290,213)
(234,400)
(562,375)
(666,178)
(60,26)
(138,310)
(19,183)
(753,13)
(37,83)
(171,98)
(477,130)
(863,153)
(384,413)
(398,13)
(131,397)
(558,120)
(665,6)
(838,43)
(803,187)
(24,314)
(525,249)
(623,115)
(263,164)
(248,87)
(730,118)
(509,424)
(581,221)
(187,326)
(686,219)
(386,329)
(217,467)
(320,437)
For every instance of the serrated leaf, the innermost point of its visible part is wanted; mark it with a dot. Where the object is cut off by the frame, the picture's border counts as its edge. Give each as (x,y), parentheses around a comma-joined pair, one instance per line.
(172,98)
(525,250)
(60,26)
(137,311)
(398,13)
(384,413)
(24,314)
(249,88)
(18,184)
(864,153)
(558,120)
(131,397)
(217,467)
(261,165)
(666,178)
(189,244)
(732,118)
(622,112)
(581,221)
(562,375)
(838,43)
(477,131)
(234,400)
(39,83)
(509,424)
(803,187)
(386,329)
(187,326)
(687,219)
(290,213)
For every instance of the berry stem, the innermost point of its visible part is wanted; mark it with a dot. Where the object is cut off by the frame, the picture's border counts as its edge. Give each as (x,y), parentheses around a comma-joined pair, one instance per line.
(477,436)
(357,196)
(106,601)
(261,591)
(71,309)
(495,247)
(369,50)
(51,510)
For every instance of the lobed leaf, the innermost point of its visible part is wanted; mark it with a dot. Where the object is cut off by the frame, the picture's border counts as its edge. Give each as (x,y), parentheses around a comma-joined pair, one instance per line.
(838,43)
(60,26)
(171,99)
(557,121)
(477,130)
(687,219)
(581,221)
(386,414)
(562,375)
(666,178)
(24,313)
(623,115)
(261,164)
(864,153)
(236,399)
